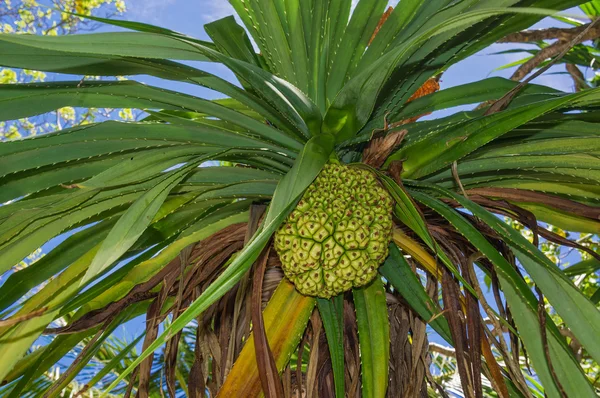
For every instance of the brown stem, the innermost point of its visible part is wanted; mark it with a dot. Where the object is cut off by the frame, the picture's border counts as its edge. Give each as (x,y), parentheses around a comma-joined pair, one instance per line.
(564,34)
(541,56)
(196,378)
(380,148)
(457,179)
(577,76)
(567,39)
(455,317)
(522,195)
(299,377)
(311,371)
(131,383)
(242,313)
(22,318)
(575,345)
(542,319)
(505,101)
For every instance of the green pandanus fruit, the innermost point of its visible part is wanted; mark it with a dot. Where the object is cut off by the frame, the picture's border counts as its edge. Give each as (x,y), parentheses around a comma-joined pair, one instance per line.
(338,235)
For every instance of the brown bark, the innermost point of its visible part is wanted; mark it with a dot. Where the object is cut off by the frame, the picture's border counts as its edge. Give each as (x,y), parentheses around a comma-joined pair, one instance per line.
(541,56)
(577,76)
(564,34)
(565,39)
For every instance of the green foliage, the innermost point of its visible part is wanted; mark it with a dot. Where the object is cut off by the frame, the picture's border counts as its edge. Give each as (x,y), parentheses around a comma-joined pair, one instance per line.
(33,17)
(161,216)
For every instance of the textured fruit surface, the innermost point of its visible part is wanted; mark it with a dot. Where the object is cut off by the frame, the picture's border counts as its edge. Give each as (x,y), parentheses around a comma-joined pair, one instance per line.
(338,235)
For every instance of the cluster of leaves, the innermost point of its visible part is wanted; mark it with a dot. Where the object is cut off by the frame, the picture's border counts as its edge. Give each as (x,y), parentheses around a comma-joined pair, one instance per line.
(150,232)
(44,18)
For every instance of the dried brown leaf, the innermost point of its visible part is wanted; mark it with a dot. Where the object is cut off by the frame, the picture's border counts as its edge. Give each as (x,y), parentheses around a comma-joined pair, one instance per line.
(267,369)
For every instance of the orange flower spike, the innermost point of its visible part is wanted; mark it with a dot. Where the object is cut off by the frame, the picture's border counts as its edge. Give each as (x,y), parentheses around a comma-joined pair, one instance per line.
(429,87)
(384,18)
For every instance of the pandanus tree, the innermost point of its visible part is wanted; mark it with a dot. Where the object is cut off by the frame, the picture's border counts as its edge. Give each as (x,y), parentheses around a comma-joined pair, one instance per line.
(303,231)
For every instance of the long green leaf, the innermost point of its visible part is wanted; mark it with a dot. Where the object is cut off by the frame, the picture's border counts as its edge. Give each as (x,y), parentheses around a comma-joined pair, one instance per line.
(33,99)
(297,42)
(332,314)
(19,283)
(231,39)
(465,94)
(276,50)
(281,94)
(351,48)
(374,338)
(111,137)
(212,218)
(134,222)
(58,291)
(444,147)
(583,267)
(441,51)
(87,62)
(408,213)
(398,272)
(129,44)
